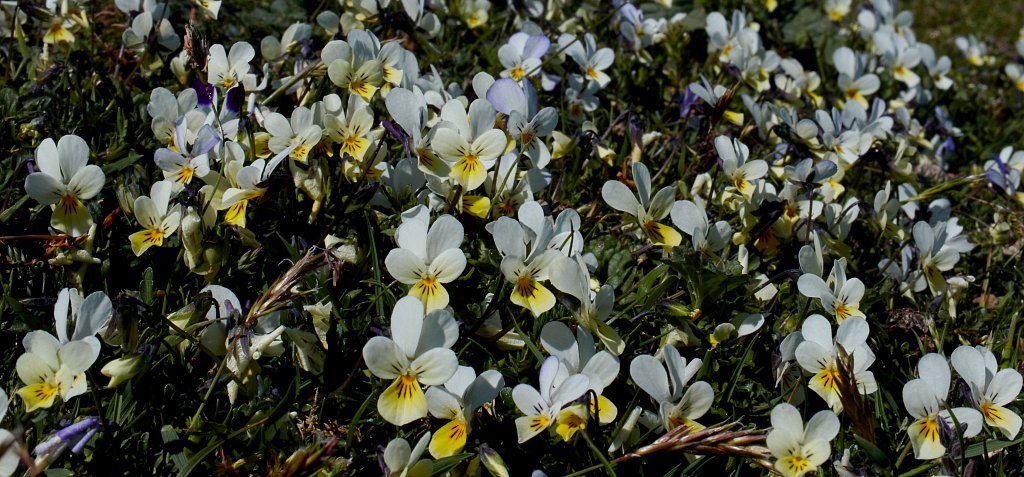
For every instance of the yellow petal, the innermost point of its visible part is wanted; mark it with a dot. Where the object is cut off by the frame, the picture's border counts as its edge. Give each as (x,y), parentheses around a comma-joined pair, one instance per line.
(299,153)
(570,420)
(403,401)
(431,292)
(476,205)
(733,117)
(529,426)
(449,440)
(38,396)
(142,240)
(530,294)
(469,172)
(363,89)
(354,146)
(661,234)
(794,466)
(236,214)
(57,33)
(924,435)
(826,384)
(605,410)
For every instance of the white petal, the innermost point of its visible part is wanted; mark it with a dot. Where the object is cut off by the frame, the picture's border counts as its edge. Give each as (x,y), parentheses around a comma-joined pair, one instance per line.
(823,426)
(435,366)
(620,198)
(969,363)
(44,188)
(448,265)
(558,340)
(384,358)
(405,266)
(73,154)
(649,374)
(934,369)
(87,182)
(406,324)
(445,233)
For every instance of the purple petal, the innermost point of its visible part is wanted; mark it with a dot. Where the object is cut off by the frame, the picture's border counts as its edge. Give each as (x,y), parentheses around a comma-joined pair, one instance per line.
(233,100)
(506,96)
(536,46)
(204,93)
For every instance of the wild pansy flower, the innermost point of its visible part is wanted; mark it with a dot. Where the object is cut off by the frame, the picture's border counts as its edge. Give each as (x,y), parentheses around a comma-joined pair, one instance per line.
(712,96)
(298,133)
(573,278)
(166,109)
(468,141)
(76,318)
(837,9)
(899,55)
(939,250)
(938,68)
(579,355)
(247,185)
(692,219)
(679,404)
(158,220)
(227,70)
(541,407)
(925,400)
(975,51)
(521,55)
(796,448)
(65,180)
(418,352)
(727,37)
(842,299)
(527,126)
(350,127)
(526,259)
(409,110)
(991,388)
(354,66)
(474,12)
(50,368)
(401,460)
(591,59)
(457,402)
(75,436)
(741,172)
(818,354)
(647,211)
(183,163)
(135,36)
(428,256)
(854,82)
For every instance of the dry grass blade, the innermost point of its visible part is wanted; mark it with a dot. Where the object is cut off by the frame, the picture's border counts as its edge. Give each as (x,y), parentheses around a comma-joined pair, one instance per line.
(717,440)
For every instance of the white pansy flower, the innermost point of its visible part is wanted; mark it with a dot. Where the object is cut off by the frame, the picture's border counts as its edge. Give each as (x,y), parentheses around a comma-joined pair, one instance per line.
(227,70)
(800,449)
(65,180)
(648,211)
(468,141)
(842,299)
(925,400)
(418,352)
(457,402)
(818,354)
(679,404)
(297,133)
(427,257)
(991,388)
(541,407)
(158,219)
